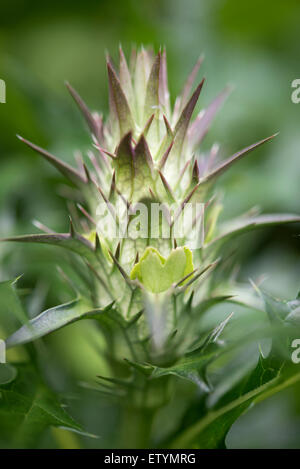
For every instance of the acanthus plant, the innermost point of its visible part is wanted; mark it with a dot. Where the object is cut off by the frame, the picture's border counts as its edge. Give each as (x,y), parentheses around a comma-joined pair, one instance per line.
(148,295)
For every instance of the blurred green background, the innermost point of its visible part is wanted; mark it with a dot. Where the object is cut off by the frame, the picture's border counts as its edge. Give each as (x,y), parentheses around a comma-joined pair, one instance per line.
(252,45)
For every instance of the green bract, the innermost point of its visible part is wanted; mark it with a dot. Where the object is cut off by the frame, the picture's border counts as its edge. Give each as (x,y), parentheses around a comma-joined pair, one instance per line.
(158,274)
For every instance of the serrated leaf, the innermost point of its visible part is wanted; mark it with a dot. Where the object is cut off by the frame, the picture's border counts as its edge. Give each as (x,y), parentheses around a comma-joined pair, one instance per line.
(211,338)
(193,366)
(53,319)
(210,431)
(189,368)
(281,315)
(28,408)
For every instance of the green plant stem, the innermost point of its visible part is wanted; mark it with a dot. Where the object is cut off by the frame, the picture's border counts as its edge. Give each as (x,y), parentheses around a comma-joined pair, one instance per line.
(136,427)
